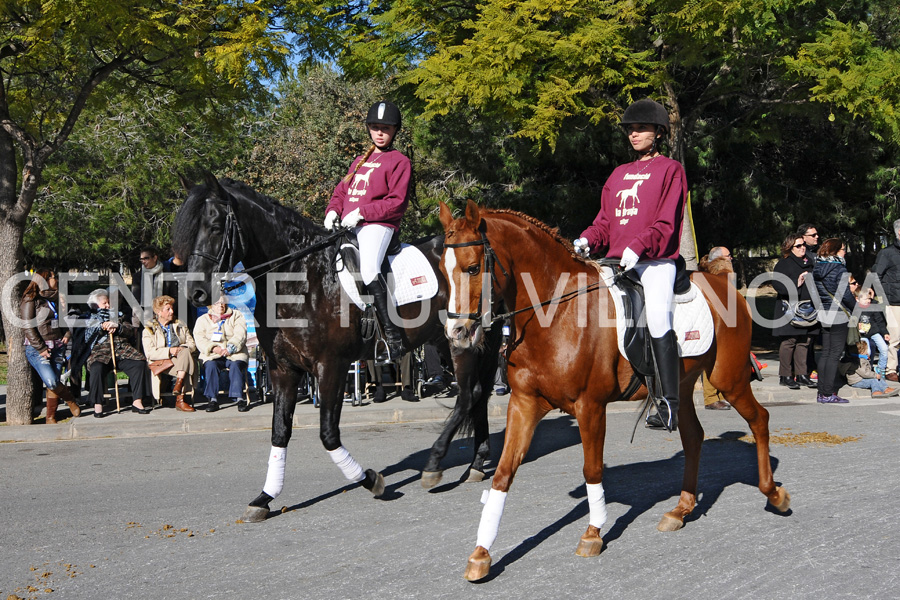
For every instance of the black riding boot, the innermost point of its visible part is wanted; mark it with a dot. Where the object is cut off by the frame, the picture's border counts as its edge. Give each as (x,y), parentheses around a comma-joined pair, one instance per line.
(665,353)
(378,290)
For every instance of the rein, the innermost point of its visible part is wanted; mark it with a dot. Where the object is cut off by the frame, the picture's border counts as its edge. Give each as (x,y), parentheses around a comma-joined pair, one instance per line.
(234,241)
(487,287)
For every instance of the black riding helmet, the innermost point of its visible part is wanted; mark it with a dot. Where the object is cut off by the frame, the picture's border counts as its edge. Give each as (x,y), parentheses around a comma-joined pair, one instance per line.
(384,112)
(646,111)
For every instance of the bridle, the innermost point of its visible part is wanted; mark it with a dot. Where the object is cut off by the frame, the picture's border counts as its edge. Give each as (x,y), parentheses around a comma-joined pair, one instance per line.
(487,285)
(233,244)
(234,248)
(487,288)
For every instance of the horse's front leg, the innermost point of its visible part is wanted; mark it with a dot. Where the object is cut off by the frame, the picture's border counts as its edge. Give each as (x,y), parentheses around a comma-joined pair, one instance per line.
(332,378)
(591,417)
(522,417)
(284,381)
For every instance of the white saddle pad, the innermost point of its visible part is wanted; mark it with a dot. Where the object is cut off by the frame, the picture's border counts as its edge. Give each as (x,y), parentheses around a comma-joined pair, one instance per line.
(414,279)
(692,320)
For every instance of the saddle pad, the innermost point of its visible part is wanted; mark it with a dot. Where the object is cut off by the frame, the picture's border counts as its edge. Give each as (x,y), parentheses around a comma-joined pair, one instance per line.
(692,320)
(414,279)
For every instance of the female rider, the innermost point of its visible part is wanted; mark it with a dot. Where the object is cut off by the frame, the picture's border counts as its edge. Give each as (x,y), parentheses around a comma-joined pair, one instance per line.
(640,219)
(371,199)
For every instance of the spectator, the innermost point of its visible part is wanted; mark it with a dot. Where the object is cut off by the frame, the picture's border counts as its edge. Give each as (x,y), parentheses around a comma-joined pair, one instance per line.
(831,277)
(111,350)
(150,282)
(377,373)
(45,340)
(872,324)
(810,236)
(795,265)
(860,374)
(168,338)
(887,267)
(221,338)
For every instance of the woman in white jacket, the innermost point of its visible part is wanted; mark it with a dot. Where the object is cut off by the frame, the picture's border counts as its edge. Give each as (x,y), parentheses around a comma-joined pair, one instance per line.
(221,337)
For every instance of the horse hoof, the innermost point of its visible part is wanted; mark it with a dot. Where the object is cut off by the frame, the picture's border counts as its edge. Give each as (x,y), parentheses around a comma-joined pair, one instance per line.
(588,547)
(378,488)
(255,514)
(670,522)
(475,476)
(431,478)
(478,566)
(783,500)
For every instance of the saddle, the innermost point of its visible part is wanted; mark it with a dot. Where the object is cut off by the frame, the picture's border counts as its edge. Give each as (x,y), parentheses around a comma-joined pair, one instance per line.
(348,251)
(637,337)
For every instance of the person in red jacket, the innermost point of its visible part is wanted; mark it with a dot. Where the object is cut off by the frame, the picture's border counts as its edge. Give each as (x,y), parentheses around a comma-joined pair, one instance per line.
(640,219)
(371,199)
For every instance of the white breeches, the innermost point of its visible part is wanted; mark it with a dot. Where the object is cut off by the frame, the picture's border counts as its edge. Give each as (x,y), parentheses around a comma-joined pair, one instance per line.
(373,244)
(658,278)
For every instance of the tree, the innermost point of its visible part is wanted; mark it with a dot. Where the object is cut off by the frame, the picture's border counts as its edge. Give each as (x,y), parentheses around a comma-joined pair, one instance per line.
(62,59)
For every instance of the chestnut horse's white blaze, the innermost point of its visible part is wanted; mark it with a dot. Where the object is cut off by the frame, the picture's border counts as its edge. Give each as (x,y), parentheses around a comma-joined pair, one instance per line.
(463,332)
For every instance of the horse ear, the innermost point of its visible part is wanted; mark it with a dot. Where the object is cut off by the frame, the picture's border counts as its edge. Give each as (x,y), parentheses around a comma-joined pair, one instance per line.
(446,215)
(472,214)
(185,183)
(213,186)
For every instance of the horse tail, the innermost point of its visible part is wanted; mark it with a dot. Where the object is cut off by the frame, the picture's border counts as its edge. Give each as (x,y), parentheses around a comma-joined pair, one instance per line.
(365,157)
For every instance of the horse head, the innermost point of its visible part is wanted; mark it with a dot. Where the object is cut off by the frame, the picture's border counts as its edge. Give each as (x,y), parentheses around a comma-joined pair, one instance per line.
(467,264)
(207,237)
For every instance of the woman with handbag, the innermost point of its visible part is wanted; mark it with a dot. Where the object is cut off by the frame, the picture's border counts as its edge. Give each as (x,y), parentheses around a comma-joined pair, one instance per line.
(170,347)
(837,305)
(792,287)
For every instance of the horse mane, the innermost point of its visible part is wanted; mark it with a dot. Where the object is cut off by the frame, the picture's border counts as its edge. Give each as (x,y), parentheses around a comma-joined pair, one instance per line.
(187,220)
(553,232)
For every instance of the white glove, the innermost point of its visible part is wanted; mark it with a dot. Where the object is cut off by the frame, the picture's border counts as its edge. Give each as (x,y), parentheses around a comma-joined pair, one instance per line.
(581,247)
(351,219)
(330,219)
(629,259)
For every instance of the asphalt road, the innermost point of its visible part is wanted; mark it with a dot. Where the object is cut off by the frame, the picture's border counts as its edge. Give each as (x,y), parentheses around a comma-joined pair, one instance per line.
(158,517)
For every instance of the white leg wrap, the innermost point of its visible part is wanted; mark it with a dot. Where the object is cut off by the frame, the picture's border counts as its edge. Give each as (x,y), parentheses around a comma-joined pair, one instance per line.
(596,503)
(275,474)
(347,464)
(490,518)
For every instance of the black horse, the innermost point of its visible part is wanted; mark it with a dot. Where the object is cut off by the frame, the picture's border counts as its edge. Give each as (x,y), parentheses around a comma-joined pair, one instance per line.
(223,222)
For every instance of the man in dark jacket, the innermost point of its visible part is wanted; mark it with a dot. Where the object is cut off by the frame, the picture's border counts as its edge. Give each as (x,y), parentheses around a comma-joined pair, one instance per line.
(887,267)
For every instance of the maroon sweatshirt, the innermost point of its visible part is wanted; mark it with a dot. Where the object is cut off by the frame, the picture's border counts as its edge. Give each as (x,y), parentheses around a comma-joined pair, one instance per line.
(378,189)
(642,208)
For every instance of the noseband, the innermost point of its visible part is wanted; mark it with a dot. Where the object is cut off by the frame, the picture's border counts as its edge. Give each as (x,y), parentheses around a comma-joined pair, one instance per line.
(487,286)
(233,244)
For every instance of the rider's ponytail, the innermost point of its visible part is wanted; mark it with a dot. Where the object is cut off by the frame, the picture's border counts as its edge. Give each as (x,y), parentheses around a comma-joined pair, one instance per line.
(365,157)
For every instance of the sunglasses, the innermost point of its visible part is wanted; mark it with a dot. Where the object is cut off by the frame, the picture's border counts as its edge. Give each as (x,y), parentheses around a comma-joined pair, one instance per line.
(799,245)
(810,235)
(854,283)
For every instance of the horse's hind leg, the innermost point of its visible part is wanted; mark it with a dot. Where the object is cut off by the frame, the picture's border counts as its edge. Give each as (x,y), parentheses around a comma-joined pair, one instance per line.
(757,418)
(285,381)
(522,417)
(691,433)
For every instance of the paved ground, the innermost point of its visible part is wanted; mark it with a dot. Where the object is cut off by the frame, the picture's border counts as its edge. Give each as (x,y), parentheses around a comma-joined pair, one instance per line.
(134,506)
(158,517)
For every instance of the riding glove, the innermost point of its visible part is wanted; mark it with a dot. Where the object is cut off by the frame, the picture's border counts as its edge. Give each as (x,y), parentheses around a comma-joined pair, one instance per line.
(352,218)
(330,219)
(629,259)
(581,247)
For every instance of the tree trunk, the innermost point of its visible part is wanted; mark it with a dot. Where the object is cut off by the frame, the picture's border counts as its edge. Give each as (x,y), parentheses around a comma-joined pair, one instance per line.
(20,390)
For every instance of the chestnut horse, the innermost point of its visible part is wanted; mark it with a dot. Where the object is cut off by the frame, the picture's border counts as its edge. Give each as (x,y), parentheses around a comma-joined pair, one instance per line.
(573,363)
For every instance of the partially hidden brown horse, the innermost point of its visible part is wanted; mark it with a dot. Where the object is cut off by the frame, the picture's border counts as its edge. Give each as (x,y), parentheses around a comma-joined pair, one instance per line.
(573,363)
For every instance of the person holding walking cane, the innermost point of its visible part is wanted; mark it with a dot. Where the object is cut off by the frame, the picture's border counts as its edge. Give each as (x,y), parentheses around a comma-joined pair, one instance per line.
(111,350)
